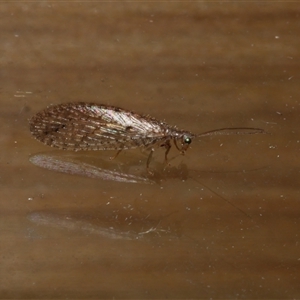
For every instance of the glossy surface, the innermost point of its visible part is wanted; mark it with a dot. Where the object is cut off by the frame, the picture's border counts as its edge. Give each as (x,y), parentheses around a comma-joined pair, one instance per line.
(197,65)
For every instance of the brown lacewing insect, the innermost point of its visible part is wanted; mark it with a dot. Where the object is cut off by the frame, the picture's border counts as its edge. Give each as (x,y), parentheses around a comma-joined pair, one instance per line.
(89,126)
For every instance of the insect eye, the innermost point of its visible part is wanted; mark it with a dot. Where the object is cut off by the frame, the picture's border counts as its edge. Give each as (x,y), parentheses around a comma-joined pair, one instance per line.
(187,140)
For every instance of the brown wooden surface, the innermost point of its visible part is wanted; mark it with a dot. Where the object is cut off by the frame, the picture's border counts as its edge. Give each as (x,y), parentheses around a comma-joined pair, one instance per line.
(199,66)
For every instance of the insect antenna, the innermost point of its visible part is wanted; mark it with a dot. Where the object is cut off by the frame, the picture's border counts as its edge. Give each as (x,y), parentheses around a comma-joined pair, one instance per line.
(229,131)
(232,131)
(223,198)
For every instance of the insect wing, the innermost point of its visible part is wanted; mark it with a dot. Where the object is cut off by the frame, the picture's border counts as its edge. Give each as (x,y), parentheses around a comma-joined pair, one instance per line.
(83,126)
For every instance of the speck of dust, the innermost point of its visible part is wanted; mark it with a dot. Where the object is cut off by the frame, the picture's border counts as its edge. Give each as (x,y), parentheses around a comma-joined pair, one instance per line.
(30,199)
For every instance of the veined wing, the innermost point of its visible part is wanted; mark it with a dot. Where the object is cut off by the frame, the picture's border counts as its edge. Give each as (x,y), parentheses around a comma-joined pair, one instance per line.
(85,126)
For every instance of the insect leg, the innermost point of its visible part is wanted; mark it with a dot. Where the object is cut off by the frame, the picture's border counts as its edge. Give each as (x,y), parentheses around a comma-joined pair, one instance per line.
(168,147)
(113,157)
(180,150)
(149,158)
